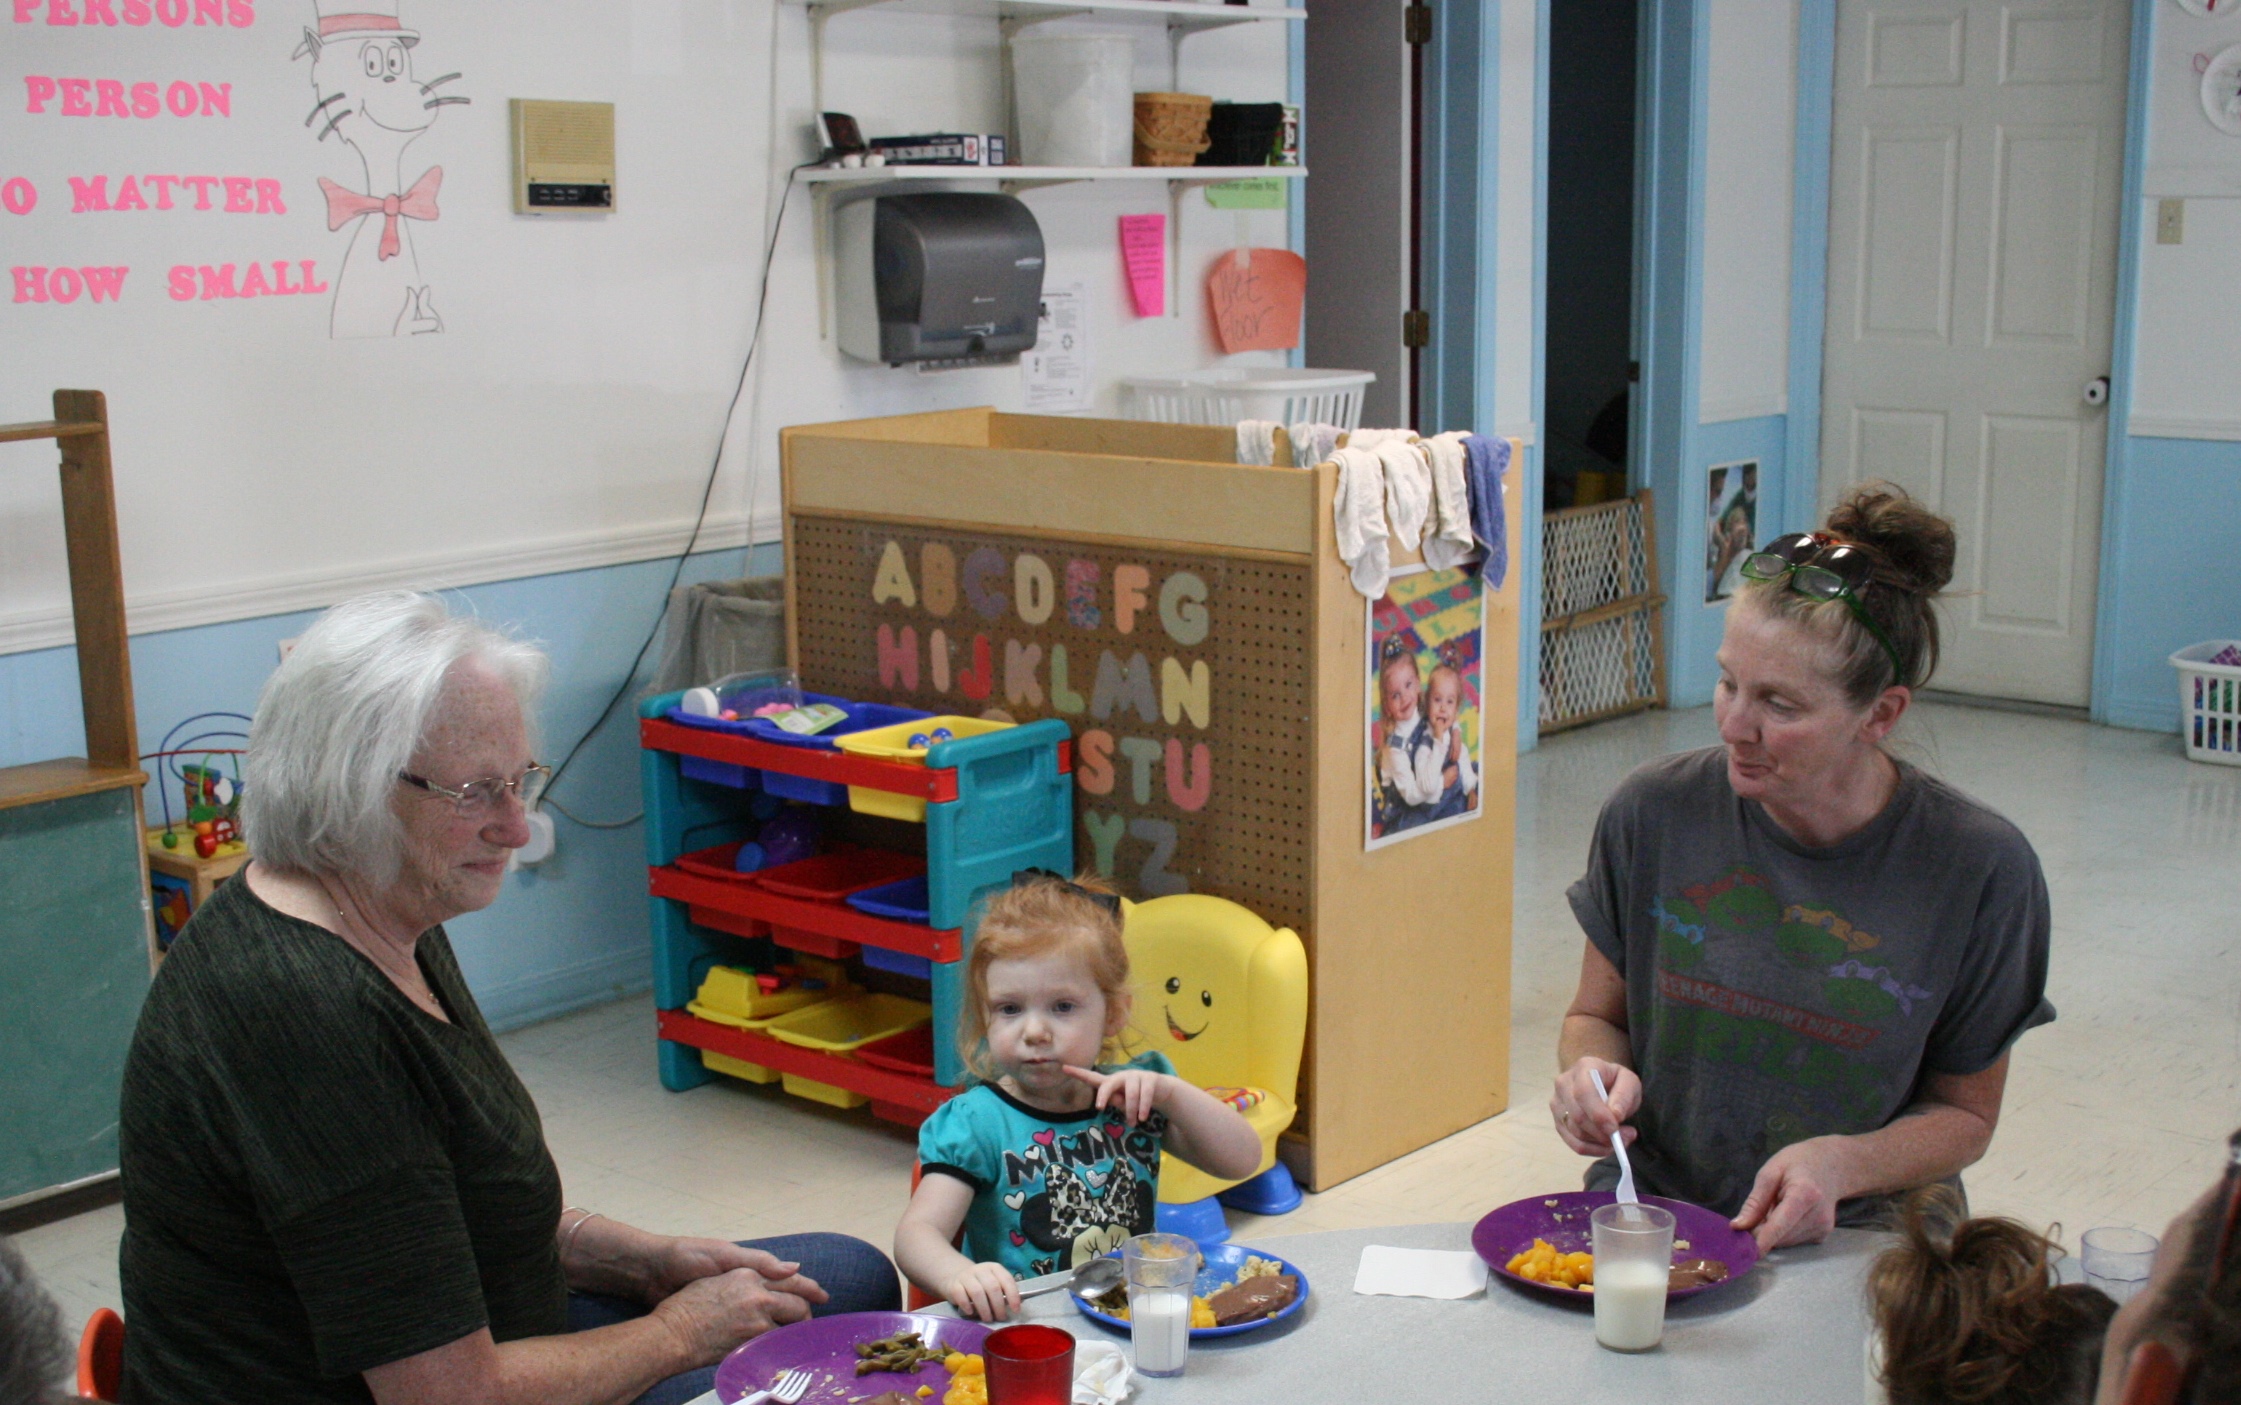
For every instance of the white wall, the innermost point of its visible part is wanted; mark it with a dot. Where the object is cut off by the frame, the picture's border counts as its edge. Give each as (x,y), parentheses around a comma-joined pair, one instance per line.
(1749,164)
(2189,311)
(566,414)
(1516,274)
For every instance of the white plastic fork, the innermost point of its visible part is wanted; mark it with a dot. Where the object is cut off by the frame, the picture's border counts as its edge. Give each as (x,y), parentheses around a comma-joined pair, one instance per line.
(784,1391)
(1626,1193)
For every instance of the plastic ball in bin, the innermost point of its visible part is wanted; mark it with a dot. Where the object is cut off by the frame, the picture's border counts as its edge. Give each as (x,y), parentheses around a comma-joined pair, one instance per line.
(750,858)
(939,734)
(790,835)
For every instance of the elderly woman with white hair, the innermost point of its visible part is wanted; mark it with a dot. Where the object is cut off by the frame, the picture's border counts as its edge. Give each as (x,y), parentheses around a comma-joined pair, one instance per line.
(335,1187)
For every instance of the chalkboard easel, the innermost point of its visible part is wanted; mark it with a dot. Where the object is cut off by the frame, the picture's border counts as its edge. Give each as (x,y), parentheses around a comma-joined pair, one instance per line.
(75,943)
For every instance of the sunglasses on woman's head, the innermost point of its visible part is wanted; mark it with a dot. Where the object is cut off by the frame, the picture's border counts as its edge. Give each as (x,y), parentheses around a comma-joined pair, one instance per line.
(1820,567)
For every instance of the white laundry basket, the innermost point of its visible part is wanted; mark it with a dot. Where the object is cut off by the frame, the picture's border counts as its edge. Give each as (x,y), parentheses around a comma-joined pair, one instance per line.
(1226,394)
(2210,702)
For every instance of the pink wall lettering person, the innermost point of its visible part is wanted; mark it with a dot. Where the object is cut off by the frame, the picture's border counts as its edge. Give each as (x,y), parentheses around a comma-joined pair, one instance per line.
(114,97)
(238,14)
(361,70)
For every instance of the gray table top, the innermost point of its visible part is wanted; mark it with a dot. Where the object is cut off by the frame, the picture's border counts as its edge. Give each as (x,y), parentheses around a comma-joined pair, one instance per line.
(1793,1331)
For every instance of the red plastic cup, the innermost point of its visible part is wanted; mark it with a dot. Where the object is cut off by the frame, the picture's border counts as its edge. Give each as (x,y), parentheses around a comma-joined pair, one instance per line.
(1029,1364)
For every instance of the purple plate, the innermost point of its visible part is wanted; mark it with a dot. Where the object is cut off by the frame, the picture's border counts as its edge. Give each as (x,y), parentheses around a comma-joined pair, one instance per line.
(1562,1220)
(826,1347)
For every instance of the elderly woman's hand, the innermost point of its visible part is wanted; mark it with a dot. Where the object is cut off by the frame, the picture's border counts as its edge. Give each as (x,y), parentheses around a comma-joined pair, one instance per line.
(685,1261)
(711,1315)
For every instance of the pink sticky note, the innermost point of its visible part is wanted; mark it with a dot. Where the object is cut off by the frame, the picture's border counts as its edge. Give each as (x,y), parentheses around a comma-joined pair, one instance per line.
(1144,252)
(1256,295)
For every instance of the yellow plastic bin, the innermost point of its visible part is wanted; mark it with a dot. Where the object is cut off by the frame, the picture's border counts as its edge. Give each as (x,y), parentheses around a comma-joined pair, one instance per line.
(838,1026)
(729,996)
(824,1093)
(906,742)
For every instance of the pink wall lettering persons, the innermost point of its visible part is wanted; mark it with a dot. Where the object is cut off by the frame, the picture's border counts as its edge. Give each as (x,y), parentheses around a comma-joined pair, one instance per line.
(362,73)
(38,284)
(208,283)
(238,14)
(234,195)
(114,97)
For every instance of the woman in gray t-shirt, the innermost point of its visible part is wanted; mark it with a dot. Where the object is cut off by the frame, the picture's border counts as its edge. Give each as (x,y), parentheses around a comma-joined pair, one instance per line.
(1806,959)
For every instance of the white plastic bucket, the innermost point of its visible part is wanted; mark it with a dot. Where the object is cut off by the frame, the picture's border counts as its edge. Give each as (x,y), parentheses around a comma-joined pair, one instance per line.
(1076,96)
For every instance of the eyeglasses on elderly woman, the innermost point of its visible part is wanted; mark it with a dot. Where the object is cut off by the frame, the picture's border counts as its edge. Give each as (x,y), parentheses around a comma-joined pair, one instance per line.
(1820,567)
(487,794)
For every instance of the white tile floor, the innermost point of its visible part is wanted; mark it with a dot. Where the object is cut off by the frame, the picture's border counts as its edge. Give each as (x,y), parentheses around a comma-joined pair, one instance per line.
(2115,1114)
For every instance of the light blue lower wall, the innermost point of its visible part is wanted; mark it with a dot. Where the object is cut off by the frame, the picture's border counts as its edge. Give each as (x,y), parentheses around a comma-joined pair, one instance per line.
(1692,627)
(2173,545)
(565,934)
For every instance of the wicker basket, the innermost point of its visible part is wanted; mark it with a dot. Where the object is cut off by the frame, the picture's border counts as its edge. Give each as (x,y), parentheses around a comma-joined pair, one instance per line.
(1602,627)
(1171,128)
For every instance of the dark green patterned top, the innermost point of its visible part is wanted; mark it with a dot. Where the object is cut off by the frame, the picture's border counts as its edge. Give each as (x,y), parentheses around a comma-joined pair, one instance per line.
(319,1177)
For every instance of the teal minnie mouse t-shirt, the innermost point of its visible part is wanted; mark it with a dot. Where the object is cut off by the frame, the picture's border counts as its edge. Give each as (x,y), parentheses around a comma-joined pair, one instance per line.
(1050,1190)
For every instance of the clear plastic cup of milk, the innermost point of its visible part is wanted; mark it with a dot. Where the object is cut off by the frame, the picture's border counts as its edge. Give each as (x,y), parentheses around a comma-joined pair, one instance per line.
(1162,1270)
(1633,1261)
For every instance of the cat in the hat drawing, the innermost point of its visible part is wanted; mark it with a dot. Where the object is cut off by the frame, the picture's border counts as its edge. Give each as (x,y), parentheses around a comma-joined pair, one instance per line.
(361,68)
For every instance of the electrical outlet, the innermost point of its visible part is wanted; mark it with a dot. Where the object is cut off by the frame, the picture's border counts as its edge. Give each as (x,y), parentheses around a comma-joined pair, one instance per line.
(540,845)
(2170,221)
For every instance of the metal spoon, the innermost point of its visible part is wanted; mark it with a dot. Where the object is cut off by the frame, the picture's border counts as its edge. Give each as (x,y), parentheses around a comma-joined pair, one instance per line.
(1088,1280)
(1626,1195)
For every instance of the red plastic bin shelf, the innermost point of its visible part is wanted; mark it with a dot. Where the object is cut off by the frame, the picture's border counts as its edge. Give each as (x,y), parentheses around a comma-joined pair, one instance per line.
(898,1097)
(830,921)
(900,777)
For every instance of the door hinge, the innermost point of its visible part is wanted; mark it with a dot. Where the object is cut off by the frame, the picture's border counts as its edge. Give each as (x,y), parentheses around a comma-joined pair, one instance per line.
(1417,27)
(1416,328)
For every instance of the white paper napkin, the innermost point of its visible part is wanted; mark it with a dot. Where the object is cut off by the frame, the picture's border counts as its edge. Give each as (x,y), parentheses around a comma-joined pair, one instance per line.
(1101,1374)
(1420,1273)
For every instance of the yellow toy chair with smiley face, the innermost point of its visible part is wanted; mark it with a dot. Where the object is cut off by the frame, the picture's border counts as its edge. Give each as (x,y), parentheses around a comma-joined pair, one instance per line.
(1224,995)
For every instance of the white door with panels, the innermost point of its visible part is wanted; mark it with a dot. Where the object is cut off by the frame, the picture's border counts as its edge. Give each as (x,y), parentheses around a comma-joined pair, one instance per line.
(1973,207)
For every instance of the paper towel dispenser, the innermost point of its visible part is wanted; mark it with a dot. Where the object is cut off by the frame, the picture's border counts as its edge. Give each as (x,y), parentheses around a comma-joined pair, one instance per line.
(937,276)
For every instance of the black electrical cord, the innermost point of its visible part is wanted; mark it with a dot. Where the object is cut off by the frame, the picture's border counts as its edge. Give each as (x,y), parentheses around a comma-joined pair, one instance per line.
(754,340)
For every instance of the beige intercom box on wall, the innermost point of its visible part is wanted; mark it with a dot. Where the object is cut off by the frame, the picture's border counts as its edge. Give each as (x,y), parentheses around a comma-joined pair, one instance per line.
(564,155)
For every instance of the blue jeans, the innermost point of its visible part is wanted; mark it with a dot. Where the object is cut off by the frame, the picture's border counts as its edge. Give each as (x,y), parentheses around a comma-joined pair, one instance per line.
(856,1276)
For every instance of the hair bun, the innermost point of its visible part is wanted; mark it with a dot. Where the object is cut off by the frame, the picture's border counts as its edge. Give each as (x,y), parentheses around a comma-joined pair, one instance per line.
(1915,542)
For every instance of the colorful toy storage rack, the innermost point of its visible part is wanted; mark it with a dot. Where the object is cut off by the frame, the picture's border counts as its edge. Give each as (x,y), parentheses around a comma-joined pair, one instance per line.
(989,522)
(995,804)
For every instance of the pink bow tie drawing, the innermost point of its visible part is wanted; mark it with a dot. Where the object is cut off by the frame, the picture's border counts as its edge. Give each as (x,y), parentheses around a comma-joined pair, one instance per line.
(418,203)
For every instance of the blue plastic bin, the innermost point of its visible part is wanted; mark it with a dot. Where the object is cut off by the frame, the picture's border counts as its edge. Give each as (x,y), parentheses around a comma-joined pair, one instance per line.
(903,900)
(700,768)
(900,963)
(862,717)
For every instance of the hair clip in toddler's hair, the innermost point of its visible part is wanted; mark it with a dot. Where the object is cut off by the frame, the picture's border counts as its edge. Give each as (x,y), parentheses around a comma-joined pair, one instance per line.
(1029,877)
(1395,646)
(1450,655)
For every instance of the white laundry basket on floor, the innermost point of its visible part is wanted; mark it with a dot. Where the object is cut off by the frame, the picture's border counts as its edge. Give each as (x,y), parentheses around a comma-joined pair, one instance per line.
(2210,702)
(1226,394)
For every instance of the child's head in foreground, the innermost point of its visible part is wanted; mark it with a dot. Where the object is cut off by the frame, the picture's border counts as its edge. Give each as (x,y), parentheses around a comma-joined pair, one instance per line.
(1046,984)
(1970,1311)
